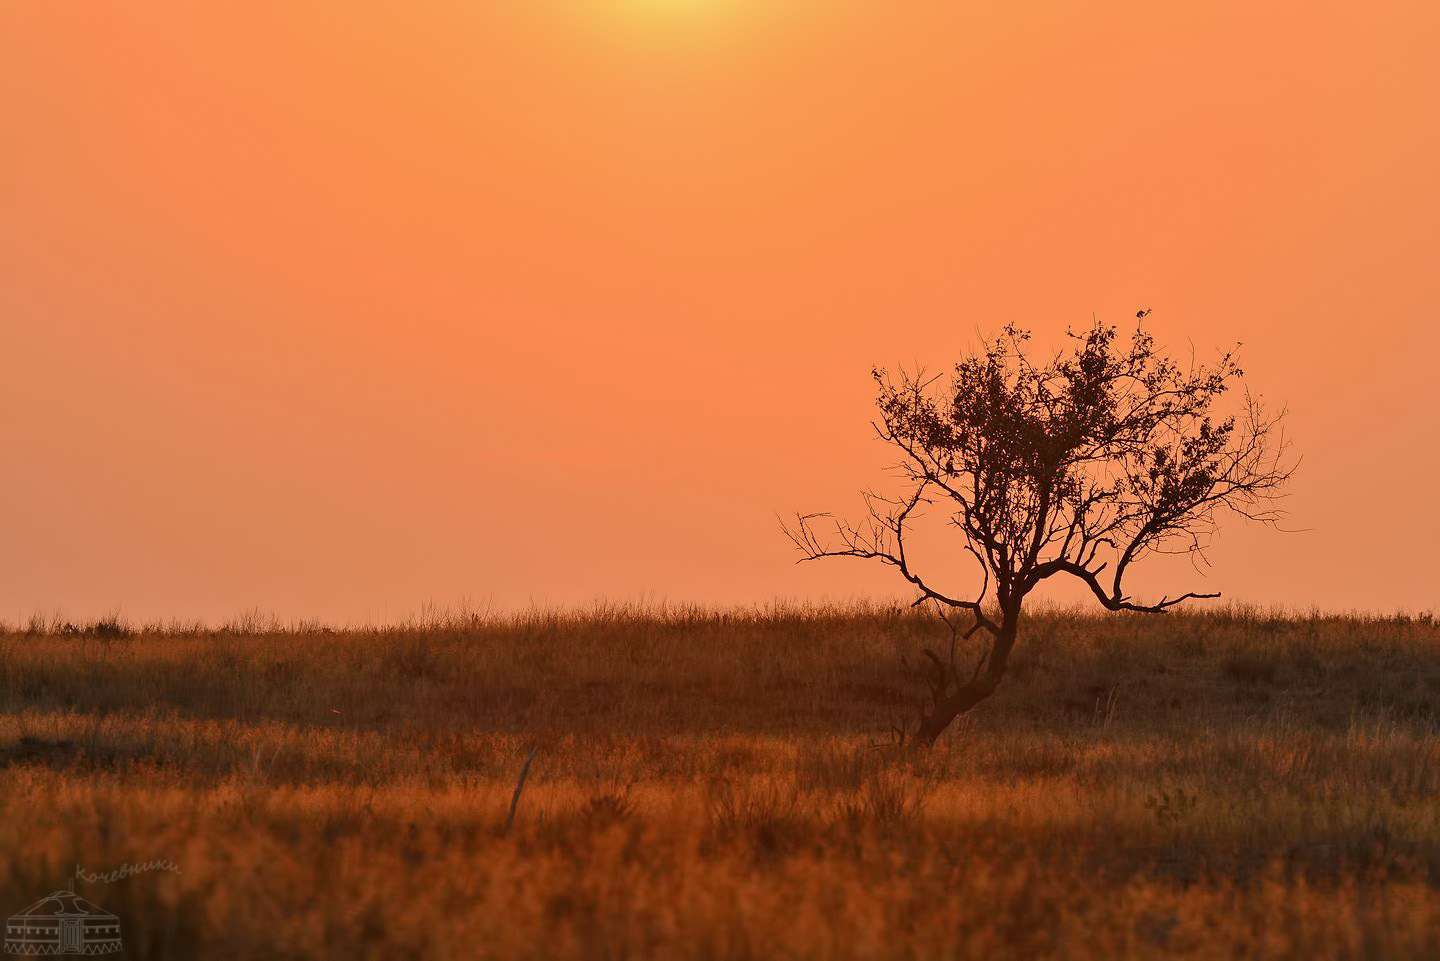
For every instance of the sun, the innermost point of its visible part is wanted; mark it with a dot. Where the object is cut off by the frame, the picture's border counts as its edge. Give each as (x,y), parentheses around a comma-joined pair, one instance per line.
(680,24)
(672,8)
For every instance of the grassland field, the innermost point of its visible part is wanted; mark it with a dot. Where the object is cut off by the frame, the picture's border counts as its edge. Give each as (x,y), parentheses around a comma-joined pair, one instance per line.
(724,785)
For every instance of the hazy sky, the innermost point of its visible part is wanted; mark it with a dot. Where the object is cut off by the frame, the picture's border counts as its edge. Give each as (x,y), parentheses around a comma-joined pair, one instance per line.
(333,309)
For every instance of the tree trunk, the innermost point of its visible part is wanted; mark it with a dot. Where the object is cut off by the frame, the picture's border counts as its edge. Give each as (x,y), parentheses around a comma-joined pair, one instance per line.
(951,704)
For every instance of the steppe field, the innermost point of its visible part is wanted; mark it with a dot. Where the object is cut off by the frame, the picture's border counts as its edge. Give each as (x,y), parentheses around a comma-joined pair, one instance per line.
(719,785)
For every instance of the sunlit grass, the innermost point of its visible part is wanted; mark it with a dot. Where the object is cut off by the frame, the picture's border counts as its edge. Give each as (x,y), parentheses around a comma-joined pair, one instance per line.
(721,784)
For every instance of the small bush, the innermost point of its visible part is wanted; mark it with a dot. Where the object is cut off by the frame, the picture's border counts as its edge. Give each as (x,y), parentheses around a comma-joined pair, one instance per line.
(886,801)
(107,628)
(606,809)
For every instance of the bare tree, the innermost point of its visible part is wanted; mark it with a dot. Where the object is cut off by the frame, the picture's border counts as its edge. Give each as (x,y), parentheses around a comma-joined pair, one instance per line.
(1082,466)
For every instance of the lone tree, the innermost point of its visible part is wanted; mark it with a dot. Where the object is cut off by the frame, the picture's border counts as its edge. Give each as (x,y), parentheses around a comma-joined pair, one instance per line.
(1104,455)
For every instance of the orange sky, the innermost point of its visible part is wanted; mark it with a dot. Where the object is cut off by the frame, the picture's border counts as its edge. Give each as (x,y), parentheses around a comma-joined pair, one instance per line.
(333,309)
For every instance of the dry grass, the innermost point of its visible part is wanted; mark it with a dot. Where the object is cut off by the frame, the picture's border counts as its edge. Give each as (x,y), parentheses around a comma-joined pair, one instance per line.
(718,785)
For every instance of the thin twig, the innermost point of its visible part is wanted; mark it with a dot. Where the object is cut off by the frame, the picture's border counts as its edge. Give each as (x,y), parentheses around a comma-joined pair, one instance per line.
(519,786)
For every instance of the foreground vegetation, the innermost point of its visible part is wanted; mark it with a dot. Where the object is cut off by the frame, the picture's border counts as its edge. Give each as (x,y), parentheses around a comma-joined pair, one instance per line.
(722,785)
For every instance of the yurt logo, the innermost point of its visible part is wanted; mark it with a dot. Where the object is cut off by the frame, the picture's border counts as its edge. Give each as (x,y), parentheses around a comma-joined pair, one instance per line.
(62,923)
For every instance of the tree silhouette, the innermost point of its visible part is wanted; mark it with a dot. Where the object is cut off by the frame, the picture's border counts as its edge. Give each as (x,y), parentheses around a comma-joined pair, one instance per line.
(1082,467)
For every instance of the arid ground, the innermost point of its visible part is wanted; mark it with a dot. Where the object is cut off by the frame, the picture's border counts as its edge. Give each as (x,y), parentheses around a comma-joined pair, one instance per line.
(724,785)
